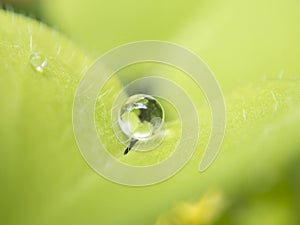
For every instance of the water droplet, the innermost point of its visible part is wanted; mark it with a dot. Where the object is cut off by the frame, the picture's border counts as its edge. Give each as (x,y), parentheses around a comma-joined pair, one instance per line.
(38,61)
(141,117)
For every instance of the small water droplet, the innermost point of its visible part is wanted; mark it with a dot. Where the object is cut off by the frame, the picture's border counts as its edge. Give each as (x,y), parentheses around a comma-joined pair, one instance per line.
(141,117)
(38,61)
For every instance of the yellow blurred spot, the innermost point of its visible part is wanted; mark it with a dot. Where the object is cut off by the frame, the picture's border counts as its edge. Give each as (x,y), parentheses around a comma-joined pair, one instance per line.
(203,212)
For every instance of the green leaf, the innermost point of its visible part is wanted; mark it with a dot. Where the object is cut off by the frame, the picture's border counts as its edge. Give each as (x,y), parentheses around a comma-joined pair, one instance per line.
(46,181)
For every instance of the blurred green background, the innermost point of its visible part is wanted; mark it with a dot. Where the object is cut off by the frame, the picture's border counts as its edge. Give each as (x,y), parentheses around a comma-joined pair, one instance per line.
(253,49)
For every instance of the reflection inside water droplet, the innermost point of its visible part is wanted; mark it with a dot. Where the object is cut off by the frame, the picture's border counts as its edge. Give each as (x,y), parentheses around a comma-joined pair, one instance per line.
(38,61)
(141,117)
